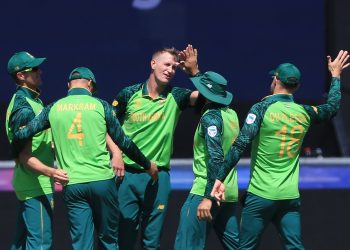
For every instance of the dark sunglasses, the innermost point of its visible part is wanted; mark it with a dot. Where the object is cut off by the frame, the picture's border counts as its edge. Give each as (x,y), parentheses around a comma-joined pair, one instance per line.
(34,69)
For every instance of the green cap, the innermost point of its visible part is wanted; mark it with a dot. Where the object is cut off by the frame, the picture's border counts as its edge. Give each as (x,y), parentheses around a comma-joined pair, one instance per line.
(21,61)
(83,73)
(287,73)
(213,87)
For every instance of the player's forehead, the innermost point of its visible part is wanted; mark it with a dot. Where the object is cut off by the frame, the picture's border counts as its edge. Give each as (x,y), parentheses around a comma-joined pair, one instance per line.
(165,57)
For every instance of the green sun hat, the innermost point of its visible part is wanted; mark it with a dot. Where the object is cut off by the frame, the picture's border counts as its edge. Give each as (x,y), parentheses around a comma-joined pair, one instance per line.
(287,73)
(83,73)
(213,87)
(21,61)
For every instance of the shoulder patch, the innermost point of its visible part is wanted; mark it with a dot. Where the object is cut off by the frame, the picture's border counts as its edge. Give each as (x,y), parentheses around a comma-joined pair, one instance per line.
(212,131)
(115,103)
(250,118)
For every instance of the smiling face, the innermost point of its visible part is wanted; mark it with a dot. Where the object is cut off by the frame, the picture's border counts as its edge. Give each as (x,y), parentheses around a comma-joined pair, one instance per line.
(163,67)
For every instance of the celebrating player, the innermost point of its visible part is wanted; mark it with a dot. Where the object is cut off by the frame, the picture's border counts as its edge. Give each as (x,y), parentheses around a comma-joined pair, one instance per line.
(149,112)
(276,126)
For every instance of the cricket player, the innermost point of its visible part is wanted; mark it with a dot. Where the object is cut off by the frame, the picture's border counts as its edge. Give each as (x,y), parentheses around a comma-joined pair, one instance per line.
(33,180)
(149,112)
(276,126)
(79,124)
(216,131)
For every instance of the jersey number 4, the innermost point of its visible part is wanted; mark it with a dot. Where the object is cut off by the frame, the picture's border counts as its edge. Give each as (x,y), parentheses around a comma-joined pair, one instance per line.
(77,133)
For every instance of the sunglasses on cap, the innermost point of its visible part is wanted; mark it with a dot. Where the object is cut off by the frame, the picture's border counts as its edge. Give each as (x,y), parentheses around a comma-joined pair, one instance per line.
(34,69)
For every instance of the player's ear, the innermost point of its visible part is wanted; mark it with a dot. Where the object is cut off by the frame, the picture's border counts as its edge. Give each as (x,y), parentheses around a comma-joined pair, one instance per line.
(20,76)
(90,86)
(153,64)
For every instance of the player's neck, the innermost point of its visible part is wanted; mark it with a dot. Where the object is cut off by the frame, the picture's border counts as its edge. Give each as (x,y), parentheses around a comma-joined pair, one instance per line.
(155,89)
(281,92)
(32,87)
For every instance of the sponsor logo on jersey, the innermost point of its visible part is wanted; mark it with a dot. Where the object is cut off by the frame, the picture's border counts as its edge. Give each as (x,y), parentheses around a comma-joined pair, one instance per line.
(250,118)
(212,131)
(144,117)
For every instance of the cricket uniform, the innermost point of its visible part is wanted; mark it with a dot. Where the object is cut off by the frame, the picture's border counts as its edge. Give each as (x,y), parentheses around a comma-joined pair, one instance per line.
(79,124)
(150,123)
(215,133)
(276,126)
(33,190)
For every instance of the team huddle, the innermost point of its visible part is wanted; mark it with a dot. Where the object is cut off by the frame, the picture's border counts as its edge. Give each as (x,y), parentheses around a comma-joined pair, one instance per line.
(113,160)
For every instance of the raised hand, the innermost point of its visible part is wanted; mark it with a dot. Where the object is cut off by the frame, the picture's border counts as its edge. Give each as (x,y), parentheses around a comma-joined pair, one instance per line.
(188,60)
(218,191)
(339,63)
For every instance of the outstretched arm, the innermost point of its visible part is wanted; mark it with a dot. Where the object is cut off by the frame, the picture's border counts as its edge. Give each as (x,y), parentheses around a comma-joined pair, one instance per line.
(247,134)
(38,124)
(249,130)
(330,108)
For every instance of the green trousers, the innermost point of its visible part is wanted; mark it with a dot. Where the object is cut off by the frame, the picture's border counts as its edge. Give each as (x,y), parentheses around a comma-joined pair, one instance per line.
(34,224)
(192,233)
(144,203)
(258,212)
(93,206)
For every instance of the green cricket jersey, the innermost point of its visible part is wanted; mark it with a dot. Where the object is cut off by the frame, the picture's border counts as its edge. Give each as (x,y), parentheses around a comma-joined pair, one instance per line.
(216,131)
(23,107)
(276,126)
(151,123)
(79,124)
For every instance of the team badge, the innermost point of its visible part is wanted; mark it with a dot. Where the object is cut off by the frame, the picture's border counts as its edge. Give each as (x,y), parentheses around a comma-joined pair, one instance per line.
(212,131)
(250,118)
(115,103)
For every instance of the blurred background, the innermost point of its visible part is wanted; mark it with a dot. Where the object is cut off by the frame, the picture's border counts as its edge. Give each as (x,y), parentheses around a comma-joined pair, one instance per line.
(242,40)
